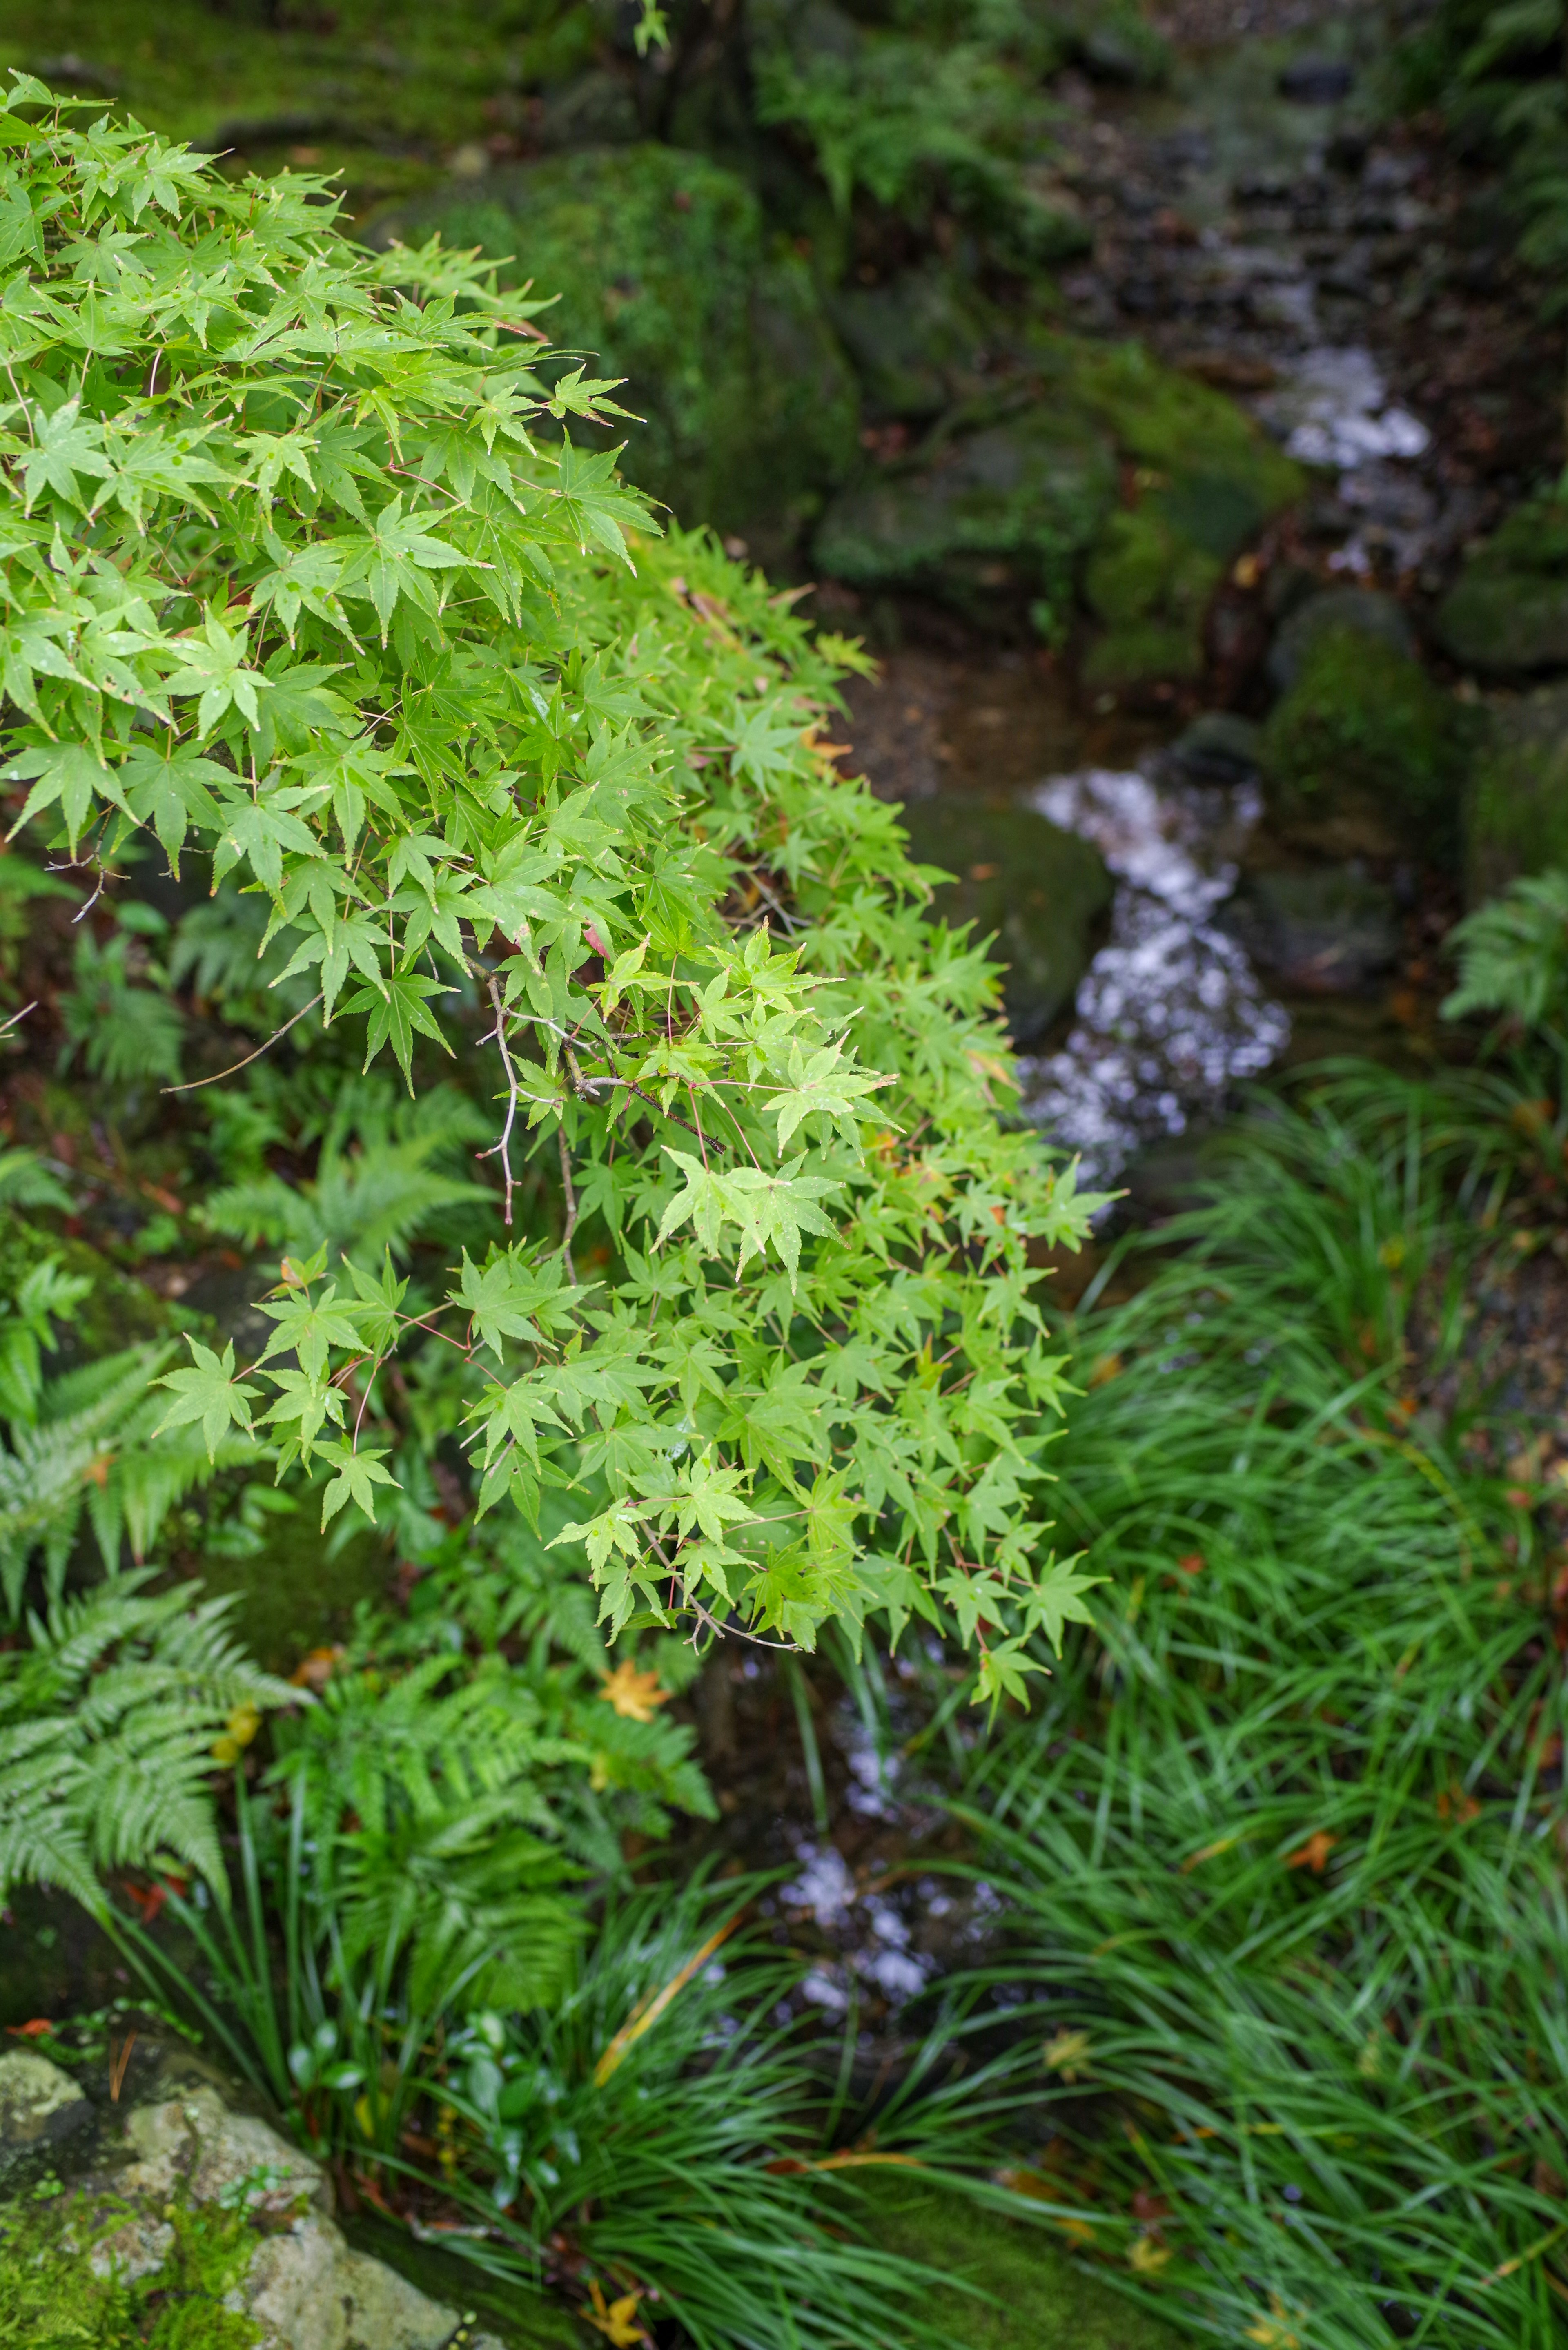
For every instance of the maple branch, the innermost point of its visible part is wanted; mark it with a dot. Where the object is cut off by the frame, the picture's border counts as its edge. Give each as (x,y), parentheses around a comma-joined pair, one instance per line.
(504,1145)
(196,1084)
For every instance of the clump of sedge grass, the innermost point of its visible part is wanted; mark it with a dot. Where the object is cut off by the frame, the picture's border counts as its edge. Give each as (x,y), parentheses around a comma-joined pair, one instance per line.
(1286,1834)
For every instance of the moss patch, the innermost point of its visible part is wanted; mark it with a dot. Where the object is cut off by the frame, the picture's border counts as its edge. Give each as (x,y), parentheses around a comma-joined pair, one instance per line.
(1038,2299)
(1018,505)
(1508,612)
(1517,820)
(664,272)
(51,2300)
(116,1311)
(1362,719)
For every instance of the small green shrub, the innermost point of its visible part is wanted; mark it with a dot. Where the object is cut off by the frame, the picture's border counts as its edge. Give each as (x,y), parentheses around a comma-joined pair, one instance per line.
(509,774)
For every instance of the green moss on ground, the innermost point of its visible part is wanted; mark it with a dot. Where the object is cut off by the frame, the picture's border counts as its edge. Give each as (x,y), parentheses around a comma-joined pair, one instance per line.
(1038,2299)
(665,273)
(115,1312)
(1364,718)
(50,2298)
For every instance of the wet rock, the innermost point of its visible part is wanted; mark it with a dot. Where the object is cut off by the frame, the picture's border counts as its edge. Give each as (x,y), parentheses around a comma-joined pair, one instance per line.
(1205,480)
(186,2165)
(1345,611)
(1219,747)
(993,512)
(1316,81)
(1362,721)
(1330,932)
(663,271)
(917,342)
(1517,818)
(40,2105)
(983,520)
(1508,612)
(1037,888)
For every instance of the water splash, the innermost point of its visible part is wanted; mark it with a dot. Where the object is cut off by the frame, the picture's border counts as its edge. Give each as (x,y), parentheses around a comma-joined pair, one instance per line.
(1170,1014)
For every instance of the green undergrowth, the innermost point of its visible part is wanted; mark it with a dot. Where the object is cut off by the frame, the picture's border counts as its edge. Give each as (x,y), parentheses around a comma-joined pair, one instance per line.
(1285,1832)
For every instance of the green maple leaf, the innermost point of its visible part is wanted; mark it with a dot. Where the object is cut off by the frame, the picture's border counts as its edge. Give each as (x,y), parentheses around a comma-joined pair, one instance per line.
(170,790)
(820,1083)
(399,1011)
(358,1474)
(208,1392)
(1056,1601)
(503,1300)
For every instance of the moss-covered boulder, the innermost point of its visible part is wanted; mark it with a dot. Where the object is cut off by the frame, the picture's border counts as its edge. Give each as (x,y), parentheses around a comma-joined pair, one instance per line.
(983,521)
(1204,480)
(1516,820)
(1506,614)
(1364,722)
(1118,473)
(665,273)
(918,340)
(1036,890)
(1362,610)
(176,2219)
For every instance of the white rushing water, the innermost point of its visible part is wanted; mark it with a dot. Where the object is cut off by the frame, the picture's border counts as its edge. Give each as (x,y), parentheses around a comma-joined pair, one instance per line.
(1169,1013)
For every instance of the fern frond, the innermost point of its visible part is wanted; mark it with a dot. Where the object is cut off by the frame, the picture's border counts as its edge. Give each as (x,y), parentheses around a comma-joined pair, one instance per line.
(1513,954)
(107,1722)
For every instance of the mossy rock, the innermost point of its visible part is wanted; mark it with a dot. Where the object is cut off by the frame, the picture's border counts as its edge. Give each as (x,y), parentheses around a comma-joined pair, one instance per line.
(1506,614)
(665,274)
(1516,821)
(1205,480)
(1033,889)
(916,340)
(1360,609)
(986,519)
(1364,721)
(999,507)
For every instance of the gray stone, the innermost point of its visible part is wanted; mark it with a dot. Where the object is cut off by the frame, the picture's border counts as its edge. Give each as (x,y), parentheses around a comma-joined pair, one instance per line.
(1516,814)
(304,2288)
(40,2105)
(1329,932)
(1038,889)
(1360,611)
(1218,747)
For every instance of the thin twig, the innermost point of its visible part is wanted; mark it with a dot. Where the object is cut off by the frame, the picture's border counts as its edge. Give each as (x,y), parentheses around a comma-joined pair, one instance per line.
(18,1016)
(196,1084)
(571,1203)
(505,1146)
(117,2066)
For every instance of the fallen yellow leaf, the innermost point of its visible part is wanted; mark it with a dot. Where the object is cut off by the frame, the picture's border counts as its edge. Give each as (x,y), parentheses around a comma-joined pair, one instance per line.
(633,1694)
(617,2322)
(1067,2053)
(1277,2330)
(1315,1853)
(1147,2256)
